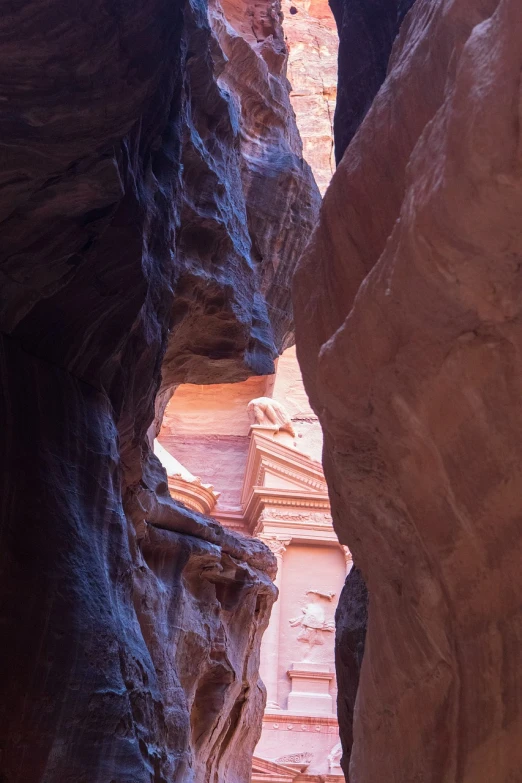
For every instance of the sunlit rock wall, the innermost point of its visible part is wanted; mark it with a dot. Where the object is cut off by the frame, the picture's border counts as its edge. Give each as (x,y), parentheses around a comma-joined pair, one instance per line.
(366,31)
(312,40)
(145,146)
(408,313)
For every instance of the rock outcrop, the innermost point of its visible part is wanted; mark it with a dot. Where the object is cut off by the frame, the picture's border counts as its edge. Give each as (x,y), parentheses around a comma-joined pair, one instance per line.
(248,200)
(367,31)
(145,147)
(351,621)
(312,41)
(407,309)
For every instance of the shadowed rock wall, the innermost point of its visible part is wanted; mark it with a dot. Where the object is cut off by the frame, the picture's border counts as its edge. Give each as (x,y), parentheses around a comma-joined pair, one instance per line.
(312,40)
(410,349)
(132,142)
(351,621)
(367,31)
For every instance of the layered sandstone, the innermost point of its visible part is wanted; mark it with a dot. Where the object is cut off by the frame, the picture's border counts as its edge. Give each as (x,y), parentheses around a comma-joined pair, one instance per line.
(146,146)
(408,310)
(311,37)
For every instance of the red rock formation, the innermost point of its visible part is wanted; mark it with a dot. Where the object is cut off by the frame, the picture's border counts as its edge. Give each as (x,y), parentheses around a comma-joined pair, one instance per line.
(407,305)
(136,144)
(312,70)
(367,31)
(351,620)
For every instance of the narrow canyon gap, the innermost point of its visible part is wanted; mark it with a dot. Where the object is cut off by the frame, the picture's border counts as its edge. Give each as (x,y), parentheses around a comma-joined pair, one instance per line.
(408,330)
(154,203)
(249,453)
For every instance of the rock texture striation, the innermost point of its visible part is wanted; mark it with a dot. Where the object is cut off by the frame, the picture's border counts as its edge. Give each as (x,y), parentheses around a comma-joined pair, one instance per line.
(312,40)
(248,200)
(408,332)
(145,147)
(367,31)
(351,621)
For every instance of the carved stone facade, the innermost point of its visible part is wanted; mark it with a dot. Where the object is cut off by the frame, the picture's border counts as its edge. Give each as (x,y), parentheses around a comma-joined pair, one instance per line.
(259,444)
(184,486)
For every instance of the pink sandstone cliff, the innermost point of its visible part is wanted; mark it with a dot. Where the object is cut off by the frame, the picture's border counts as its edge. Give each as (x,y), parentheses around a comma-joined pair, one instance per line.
(311,37)
(407,304)
(147,147)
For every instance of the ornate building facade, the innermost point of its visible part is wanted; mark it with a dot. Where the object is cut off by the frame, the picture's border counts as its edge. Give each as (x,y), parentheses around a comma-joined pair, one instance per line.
(249,455)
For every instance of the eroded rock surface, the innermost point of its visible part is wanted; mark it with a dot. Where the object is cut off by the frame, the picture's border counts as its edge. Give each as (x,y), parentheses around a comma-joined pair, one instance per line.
(248,199)
(312,40)
(410,348)
(144,146)
(351,621)
(367,31)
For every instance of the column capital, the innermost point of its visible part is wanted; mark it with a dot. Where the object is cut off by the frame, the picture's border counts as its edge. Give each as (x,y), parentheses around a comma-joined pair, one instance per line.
(276,544)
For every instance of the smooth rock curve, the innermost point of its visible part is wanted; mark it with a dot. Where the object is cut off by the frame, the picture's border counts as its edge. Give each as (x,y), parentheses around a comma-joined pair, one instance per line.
(411,351)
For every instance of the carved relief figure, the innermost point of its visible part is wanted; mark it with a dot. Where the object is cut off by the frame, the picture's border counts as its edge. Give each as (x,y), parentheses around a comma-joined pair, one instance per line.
(270,413)
(313,621)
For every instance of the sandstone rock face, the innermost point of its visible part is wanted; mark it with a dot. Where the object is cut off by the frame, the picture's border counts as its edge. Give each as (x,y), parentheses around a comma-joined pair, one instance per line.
(367,31)
(312,41)
(248,200)
(410,348)
(144,146)
(351,620)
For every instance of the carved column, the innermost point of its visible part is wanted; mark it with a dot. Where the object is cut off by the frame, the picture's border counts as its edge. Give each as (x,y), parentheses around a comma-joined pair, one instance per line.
(269,668)
(348,558)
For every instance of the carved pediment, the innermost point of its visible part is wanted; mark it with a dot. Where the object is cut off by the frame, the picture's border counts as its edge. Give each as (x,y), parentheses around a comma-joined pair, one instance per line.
(271,770)
(271,463)
(279,477)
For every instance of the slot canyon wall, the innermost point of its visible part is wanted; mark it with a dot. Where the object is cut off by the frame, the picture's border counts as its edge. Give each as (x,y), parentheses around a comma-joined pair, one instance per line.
(154,201)
(407,305)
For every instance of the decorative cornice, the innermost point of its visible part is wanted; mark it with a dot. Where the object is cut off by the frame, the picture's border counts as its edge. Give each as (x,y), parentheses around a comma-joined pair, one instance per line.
(306,674)
(265,452)
(271,771)
(348,557)
(283,720)
(183,485)
(269,501)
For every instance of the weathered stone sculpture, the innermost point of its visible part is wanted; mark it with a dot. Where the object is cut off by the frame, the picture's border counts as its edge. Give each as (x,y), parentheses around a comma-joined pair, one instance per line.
(408,308)
(268,412)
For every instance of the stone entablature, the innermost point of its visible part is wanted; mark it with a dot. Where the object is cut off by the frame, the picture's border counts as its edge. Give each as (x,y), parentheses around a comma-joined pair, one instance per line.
(304,515)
